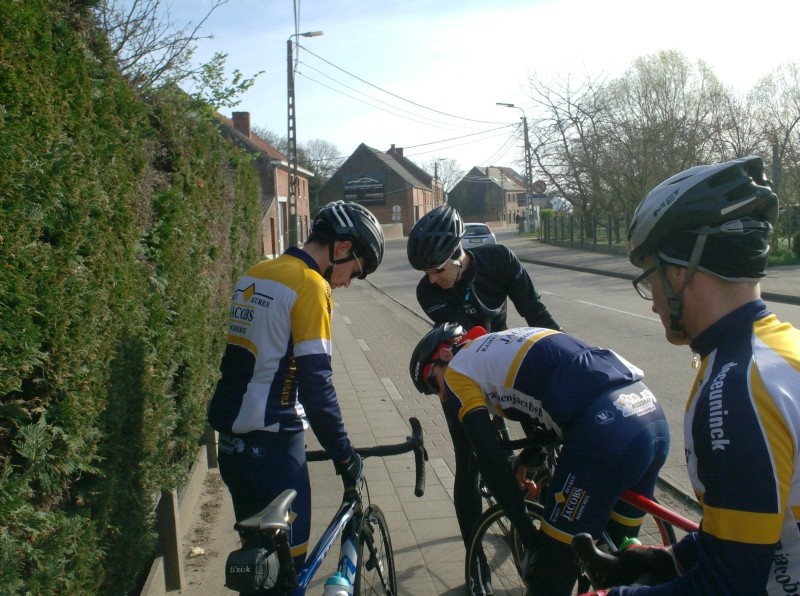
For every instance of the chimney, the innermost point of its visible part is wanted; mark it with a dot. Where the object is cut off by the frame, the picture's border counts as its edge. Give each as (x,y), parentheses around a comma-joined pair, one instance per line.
(241,122)
(395,152)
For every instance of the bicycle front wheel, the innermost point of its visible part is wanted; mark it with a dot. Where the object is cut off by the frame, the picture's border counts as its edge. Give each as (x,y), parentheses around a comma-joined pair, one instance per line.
(375,572)
(495,551)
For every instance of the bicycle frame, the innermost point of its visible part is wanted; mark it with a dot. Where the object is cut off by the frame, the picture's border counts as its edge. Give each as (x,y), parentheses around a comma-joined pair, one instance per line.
(345,524)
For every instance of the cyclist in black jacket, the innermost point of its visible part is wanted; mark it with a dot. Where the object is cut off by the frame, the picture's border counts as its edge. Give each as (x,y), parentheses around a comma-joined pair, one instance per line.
(469,287)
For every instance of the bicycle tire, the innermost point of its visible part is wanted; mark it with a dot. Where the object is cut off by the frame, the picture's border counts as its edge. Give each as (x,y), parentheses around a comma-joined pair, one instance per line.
(496,538)
(375,571)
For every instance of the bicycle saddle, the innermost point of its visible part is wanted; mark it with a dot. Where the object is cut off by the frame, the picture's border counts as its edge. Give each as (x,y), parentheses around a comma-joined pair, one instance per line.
(272,517)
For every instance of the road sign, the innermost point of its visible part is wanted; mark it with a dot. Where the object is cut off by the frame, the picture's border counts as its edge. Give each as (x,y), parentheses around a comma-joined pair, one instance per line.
(539,187)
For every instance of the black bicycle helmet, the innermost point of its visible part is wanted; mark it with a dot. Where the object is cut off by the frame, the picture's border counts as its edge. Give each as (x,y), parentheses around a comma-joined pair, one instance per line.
(351,221)
(733,197)
(434,238)
(425,350)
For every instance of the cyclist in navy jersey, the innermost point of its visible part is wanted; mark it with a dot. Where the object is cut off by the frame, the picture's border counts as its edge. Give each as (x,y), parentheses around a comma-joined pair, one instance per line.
(613,432)
(276,371)
(701,238)
(470,287)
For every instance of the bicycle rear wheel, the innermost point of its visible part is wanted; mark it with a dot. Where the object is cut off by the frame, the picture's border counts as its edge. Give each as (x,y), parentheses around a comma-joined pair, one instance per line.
(375,574)
(495,538)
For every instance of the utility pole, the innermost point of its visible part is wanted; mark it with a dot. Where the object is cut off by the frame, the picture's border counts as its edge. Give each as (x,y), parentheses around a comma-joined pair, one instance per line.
(292,137)
(528,163)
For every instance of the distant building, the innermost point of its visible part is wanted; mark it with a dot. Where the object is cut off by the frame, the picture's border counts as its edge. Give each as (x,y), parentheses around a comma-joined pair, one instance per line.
(390,185)
(273,171)
(489,194)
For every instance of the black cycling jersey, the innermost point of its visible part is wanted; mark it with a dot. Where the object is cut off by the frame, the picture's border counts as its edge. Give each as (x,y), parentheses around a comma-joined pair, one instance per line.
(479,297)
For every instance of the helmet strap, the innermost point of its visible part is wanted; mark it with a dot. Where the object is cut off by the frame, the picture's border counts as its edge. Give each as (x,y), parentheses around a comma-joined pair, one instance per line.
(675,299)
(331,263)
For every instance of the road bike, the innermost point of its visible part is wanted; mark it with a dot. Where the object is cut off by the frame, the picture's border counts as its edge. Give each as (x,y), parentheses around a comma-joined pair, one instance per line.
(365,554)
(495,546)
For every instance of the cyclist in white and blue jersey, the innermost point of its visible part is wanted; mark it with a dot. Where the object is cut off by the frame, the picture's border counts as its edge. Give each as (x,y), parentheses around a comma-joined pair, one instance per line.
(613,432)
(702,238)
(276,377)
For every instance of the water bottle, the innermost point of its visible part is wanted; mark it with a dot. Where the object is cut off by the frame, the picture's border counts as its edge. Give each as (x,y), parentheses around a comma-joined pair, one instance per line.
(627,542)
(338,585)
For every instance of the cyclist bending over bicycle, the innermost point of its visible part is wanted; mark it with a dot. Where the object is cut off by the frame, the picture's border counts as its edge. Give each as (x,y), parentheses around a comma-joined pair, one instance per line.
(613,431)
(702,238)
(470,287)
(276,371)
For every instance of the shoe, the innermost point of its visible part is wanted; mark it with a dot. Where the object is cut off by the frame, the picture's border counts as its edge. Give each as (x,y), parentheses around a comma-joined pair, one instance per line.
(481,579)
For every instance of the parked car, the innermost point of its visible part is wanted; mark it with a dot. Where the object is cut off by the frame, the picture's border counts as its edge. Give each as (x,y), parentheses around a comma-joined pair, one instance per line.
(477,233)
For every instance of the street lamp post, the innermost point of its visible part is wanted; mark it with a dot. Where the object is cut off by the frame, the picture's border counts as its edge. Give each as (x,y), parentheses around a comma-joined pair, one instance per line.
(528,162)
(292,136)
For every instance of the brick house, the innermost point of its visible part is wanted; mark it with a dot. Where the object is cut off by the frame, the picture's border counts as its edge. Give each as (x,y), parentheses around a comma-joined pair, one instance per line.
(273,171)
(390,185)
(490,194)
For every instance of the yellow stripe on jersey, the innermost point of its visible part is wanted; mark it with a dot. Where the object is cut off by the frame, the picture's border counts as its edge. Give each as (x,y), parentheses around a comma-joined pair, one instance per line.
(556,534)
(778,436)
(467,391)
(523,350)
(631,522)
(742,526)
(316,306)
(244,343)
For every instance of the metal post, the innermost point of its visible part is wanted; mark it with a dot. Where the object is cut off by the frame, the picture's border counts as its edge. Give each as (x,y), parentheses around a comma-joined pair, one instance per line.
(528,172)
(292,147)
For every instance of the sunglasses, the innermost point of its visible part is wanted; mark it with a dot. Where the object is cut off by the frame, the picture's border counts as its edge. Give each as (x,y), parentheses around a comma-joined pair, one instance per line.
(642,286)
(431,381)
(432,271)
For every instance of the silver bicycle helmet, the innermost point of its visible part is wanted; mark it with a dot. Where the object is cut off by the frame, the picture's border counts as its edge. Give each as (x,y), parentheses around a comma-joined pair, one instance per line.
(726,198)
(434,238)
(425,350)
(351,221)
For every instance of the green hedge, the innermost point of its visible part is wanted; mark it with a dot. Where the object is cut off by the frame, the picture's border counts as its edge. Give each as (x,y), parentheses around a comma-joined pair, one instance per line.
(122,225)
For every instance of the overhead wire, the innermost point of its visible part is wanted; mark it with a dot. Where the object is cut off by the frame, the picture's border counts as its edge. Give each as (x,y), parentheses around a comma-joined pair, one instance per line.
(430,120)
(394,94)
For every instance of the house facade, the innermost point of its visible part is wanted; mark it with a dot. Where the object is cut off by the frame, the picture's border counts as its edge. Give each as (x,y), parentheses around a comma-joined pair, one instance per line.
(490,194)
(390,185)
(273,172)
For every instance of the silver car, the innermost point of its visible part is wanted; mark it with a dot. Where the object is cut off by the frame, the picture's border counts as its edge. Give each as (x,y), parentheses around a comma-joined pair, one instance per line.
(477,233)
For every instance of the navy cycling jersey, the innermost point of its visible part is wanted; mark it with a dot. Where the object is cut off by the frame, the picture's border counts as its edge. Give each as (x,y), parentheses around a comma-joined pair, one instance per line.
(276,371)
(540,374)
(742,436)
(479,297)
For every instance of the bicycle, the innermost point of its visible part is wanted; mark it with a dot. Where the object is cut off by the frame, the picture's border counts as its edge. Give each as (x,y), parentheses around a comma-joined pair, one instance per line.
(365,556)
(494,542)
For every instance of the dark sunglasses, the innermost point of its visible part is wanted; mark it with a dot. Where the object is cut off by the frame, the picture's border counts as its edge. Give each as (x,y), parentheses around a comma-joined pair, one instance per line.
(431,382)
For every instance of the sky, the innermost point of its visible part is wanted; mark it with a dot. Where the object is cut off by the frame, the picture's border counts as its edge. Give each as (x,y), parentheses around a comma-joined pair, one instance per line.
(425,75)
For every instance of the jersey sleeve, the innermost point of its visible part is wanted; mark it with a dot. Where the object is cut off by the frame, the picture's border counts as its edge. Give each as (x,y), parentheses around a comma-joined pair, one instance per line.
(311,332)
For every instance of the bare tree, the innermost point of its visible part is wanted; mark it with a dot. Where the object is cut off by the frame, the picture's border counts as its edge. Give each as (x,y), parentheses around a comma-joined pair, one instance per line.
(152,50)
(566,138)
(323,158)
(444,169)
(776,100)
